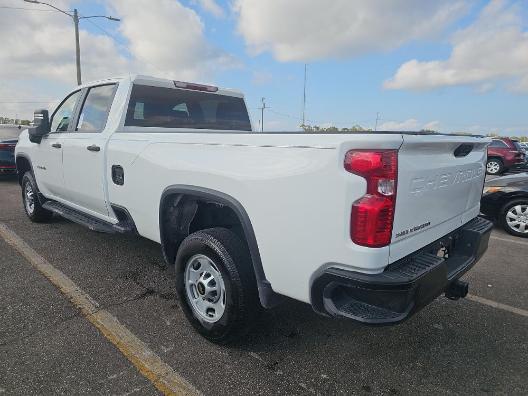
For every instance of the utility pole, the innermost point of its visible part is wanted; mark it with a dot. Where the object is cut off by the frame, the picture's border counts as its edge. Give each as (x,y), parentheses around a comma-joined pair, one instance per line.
(77,46)
(262,114)
(377,119)
(75,17)
(304,99)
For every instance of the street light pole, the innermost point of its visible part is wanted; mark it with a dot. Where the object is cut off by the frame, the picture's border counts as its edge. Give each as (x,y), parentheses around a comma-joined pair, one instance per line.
(77,46)
(75,16)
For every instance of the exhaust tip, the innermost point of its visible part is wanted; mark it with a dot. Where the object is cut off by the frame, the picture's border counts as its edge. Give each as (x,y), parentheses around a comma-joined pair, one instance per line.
(457,289)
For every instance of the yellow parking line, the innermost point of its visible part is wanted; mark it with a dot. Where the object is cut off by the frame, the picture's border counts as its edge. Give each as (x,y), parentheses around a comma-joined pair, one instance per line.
(150,365)
(494,304)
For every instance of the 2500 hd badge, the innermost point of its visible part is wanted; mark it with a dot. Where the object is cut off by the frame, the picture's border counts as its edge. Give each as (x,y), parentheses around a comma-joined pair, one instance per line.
(413,229)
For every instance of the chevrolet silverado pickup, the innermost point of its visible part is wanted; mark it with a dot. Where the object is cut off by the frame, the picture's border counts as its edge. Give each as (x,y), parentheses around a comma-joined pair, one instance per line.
(367,226)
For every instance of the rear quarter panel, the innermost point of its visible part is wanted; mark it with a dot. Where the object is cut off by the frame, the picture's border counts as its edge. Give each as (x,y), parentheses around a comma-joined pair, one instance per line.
(293,187)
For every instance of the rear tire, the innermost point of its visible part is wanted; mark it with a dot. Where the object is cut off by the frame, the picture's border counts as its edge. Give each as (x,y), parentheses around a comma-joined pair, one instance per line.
(216,284)
(494,166)
(32,206)
(514,217)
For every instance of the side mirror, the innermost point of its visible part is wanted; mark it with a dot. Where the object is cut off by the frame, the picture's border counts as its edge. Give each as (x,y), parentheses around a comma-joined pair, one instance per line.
(41,125)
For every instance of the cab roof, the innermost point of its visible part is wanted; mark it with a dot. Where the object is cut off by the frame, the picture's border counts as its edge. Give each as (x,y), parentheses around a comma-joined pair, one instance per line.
(164,83)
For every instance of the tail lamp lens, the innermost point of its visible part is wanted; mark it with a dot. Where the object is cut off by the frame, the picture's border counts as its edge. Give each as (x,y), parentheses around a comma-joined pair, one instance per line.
(373,214)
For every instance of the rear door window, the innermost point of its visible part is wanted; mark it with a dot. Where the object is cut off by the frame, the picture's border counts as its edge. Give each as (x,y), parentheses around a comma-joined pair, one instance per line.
(181,108)
(95,109)
(517,145)
(498,144)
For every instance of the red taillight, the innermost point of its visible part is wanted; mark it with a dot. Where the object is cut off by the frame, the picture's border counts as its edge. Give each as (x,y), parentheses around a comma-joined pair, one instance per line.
(373,214)
(8,146)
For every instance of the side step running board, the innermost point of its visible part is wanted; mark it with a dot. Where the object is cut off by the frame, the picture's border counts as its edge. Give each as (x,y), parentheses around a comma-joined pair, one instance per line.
(86,220)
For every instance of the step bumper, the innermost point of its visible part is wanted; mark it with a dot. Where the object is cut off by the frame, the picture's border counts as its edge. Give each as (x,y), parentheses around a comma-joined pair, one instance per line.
(405,286)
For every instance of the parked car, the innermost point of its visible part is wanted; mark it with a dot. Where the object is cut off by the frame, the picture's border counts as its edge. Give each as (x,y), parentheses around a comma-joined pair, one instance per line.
(506,200)
(8,140)
(524,146)
(350,223)
(504,154)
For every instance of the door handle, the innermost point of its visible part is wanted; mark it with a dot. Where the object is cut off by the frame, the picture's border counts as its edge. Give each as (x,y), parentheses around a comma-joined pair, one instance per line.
(93,147)
(56,145)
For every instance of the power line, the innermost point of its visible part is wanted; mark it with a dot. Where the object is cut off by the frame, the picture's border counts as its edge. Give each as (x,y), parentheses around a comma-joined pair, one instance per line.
(315,122)
(19,102)
(25,9)
(112,36)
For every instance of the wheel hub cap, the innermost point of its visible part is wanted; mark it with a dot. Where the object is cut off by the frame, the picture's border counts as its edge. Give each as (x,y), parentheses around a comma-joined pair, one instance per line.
(517,218)
(205,288)
(493,167)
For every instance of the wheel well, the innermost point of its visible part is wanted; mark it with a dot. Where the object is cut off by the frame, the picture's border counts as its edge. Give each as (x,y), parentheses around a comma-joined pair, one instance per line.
(507,198)
(496,158)
(183,214)
(23,165)
(187,209)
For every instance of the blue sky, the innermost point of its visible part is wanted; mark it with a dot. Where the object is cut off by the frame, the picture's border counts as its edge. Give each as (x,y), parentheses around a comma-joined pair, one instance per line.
(352,75)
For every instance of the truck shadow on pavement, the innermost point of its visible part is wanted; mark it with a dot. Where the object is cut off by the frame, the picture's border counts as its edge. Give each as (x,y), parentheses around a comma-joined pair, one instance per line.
(457,346)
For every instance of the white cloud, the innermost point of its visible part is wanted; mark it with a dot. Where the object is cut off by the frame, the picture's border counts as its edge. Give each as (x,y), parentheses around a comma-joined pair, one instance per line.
(41,45)
(433,125)
(411,124)
(167,40)
(212,7)
(20,100)
(302,30)
(493,48)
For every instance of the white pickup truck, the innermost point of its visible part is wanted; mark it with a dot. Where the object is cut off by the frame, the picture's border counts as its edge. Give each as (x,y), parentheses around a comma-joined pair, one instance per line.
(367,226)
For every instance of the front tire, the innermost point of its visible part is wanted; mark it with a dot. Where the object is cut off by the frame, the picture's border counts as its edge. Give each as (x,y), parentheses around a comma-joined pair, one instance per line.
(494,166)
(514,217)
(216,284)
(32,206)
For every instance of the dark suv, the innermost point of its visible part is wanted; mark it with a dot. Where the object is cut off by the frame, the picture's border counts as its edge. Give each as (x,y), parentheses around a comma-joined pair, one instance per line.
(8,140)
(504,154)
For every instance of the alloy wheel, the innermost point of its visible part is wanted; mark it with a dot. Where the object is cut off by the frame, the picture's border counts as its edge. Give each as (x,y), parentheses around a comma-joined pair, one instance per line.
(493,167)
(517,218)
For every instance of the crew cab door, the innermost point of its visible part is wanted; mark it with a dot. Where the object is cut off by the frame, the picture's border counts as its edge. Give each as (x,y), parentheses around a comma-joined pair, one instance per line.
(47,155)
(84,152)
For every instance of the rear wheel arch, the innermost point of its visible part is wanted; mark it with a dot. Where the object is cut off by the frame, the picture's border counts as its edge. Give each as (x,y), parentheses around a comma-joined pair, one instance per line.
(185,209)
(23,165)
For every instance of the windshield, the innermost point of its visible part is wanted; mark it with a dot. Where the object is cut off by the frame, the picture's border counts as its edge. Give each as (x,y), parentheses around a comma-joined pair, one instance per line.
(181,108)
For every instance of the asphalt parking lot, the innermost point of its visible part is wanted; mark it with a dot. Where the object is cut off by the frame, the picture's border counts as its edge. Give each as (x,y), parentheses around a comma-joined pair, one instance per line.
(472,346)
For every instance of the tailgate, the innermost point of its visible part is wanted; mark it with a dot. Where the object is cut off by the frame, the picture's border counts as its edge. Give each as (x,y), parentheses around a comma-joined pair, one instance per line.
(440,180)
